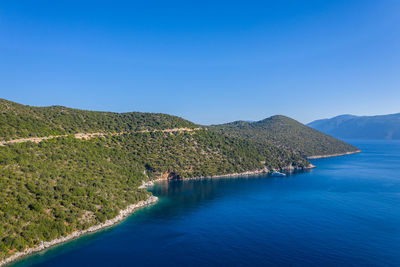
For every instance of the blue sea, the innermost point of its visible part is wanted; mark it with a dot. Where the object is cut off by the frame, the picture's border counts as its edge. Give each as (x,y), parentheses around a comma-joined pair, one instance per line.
(346,212)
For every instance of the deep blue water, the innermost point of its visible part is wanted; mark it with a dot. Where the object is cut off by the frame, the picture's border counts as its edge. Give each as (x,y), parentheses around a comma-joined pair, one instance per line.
(346,212)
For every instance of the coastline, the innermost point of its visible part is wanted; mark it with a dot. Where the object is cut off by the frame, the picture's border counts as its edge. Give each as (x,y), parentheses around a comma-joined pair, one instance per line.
(44,245)
(159,179)
(125,213)
(334,155)
(230,175)
(150,200)
(255,172)
(247,173)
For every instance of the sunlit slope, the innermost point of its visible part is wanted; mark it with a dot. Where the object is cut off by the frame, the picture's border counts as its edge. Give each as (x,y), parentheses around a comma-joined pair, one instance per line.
(288,134)
(17,121)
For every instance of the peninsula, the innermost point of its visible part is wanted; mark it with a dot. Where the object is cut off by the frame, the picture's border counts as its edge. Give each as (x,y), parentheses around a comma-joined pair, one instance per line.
(65,172)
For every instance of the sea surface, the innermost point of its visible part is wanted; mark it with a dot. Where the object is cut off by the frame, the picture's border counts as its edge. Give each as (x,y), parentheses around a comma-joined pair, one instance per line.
(346,212)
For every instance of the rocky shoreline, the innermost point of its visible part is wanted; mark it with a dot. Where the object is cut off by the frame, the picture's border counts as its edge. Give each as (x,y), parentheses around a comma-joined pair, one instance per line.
(44,245)
(126,212)
(333,155)
(247,173)
(150,200)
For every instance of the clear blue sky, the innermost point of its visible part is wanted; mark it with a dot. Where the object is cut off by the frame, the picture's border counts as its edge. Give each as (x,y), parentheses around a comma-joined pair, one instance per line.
(207,61)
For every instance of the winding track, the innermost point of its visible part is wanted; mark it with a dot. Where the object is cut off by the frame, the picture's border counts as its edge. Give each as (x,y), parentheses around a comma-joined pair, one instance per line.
(88,136)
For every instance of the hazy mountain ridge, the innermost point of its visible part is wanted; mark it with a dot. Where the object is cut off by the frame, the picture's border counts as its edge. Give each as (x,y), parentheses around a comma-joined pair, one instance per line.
(361,127)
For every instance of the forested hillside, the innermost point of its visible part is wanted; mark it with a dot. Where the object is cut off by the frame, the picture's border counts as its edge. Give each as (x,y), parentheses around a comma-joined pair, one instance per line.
(53,187)
(17,121)
(286,133)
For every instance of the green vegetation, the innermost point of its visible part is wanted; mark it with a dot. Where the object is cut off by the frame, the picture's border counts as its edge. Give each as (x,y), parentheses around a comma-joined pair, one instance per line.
(286,133)
(52,188)
(60,185)
(18,121)
(202,153)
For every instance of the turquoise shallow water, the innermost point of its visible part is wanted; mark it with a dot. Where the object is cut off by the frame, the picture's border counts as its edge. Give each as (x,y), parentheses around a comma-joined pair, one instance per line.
(346,212)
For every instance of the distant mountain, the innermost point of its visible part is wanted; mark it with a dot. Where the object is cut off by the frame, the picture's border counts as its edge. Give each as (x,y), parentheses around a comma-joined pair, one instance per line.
(360,127)
(288,134)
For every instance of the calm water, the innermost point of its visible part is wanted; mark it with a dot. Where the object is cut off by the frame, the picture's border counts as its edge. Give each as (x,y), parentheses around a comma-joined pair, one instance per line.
(345,212)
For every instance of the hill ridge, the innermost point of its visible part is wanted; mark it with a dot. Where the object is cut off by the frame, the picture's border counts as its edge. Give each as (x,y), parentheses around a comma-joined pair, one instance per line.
(287,133)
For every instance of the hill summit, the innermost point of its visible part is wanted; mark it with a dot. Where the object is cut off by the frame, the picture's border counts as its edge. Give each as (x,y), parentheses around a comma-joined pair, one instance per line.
(286,133)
